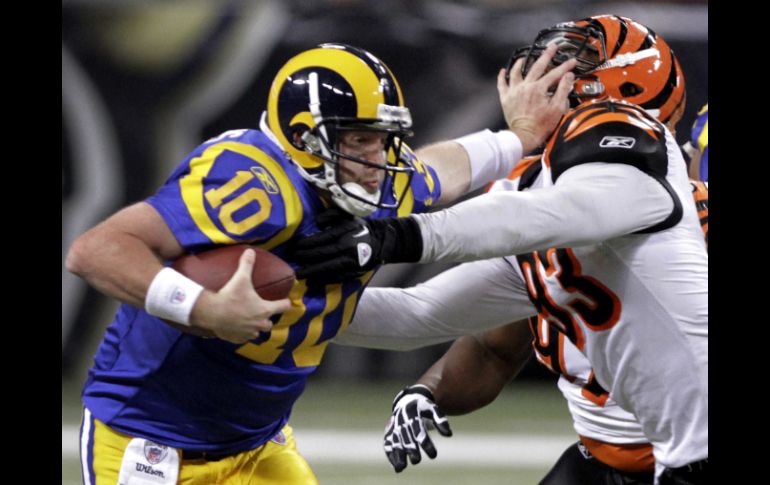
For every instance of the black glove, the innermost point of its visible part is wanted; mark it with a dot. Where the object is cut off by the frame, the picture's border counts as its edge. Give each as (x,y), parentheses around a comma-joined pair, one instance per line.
(414,413)
(348,247)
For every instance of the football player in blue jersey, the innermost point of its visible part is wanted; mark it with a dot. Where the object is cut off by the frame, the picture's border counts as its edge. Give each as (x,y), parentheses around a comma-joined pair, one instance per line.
(165,405)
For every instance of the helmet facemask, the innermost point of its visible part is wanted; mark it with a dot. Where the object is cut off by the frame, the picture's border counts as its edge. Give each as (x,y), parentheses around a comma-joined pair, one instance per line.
(586,44)
(323,141)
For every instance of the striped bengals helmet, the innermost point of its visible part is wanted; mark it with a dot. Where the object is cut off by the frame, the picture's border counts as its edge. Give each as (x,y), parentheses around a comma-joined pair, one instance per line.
(617,57)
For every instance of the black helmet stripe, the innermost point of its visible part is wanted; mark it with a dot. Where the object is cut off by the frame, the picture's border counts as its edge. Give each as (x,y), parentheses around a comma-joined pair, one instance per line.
(668,88)
(678,105)
(621,36)
(648,42)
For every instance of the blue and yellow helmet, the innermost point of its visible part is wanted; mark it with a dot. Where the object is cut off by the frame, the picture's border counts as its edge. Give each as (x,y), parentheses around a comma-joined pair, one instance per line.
(323,91)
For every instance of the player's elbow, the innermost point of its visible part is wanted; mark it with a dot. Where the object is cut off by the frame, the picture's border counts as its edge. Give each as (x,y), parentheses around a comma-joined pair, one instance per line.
(78,259)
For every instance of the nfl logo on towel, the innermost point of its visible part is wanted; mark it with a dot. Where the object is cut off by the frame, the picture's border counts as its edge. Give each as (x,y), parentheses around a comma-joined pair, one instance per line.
(154,452)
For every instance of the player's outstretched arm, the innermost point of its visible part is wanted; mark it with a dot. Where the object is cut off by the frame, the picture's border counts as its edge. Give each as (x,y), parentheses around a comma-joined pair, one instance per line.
(532,109)
(589,204)
(414,413)
(469,376)
(476,368)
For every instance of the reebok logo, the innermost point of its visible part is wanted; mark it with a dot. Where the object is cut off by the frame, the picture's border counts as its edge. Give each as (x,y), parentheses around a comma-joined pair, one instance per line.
(265,179)
(617,142)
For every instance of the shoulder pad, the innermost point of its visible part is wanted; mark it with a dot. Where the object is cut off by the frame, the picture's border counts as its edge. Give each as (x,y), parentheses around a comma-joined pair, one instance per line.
(609,132)
(237,191)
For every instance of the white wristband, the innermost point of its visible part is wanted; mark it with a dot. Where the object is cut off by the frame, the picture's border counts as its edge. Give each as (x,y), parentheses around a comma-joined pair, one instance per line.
(171,295)
(492,155)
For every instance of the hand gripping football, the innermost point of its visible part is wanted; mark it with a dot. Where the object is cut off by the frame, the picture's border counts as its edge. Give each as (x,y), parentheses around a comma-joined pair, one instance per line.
(272,277)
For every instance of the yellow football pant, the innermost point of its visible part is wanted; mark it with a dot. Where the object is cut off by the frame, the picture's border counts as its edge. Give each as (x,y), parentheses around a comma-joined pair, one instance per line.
(270,464)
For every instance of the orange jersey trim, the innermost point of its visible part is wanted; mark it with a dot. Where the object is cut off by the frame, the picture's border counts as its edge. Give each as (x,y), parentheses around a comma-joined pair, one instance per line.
(631,458)
(609,117)
(522,166)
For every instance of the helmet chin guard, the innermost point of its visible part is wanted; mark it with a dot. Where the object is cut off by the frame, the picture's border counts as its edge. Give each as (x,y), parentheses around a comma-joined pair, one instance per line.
(353,205)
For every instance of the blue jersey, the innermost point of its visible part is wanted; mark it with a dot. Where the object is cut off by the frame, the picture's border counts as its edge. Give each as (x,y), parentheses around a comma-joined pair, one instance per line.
(152,381)
(700,139)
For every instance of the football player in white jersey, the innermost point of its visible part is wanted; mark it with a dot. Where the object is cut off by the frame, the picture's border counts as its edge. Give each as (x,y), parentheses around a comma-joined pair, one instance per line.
(612,447)
(608,247)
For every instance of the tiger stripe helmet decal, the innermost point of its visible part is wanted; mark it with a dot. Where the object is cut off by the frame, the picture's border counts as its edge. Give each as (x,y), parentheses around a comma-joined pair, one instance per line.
(617,58)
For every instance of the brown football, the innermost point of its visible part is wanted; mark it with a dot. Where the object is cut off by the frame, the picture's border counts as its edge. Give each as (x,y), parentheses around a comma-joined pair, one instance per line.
(272,277)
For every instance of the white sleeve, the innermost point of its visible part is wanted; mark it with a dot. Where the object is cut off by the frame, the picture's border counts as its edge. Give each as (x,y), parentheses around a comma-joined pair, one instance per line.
(463,300)
(492,155)
(588,204)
